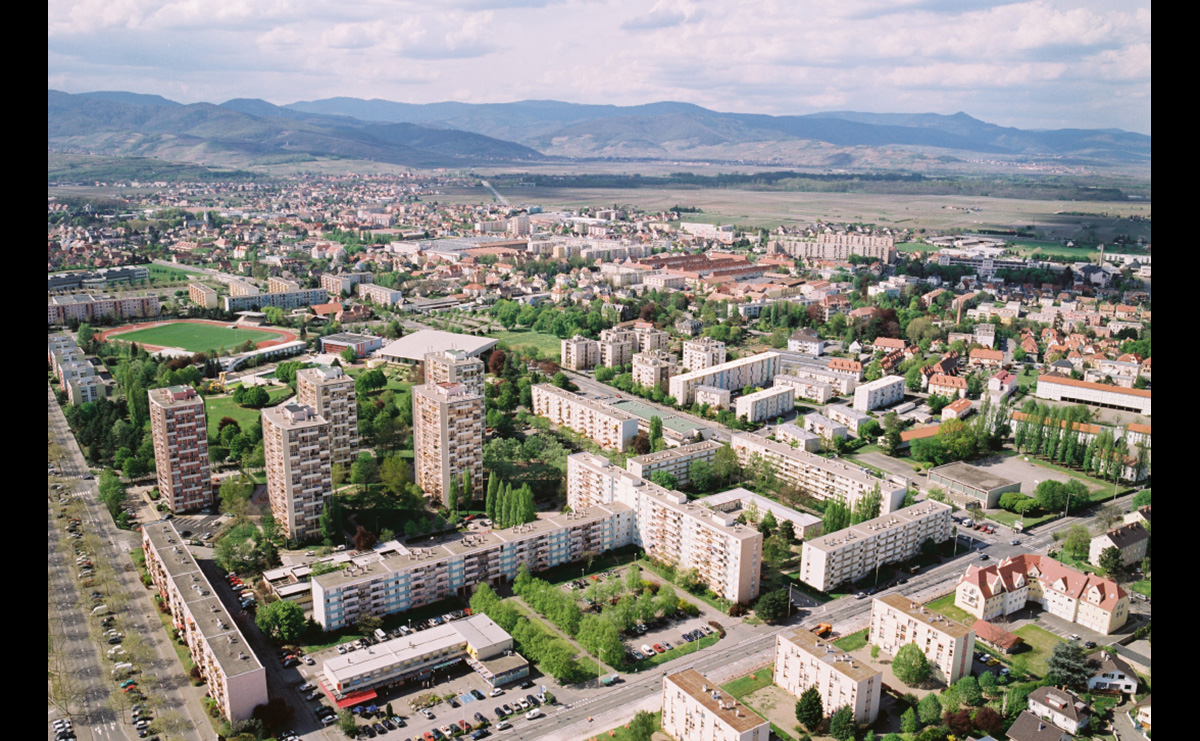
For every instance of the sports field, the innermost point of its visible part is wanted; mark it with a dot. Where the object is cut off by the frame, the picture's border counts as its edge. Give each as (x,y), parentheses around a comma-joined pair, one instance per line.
(195,336)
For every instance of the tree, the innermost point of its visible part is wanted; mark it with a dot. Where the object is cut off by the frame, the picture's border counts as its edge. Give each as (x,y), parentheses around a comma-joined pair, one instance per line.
(395,473)
(1141,499)
(664,479)
(987,720)
(910,665)
(1078,541)
(1112,562)
(809,710)
(787,531)
(642,727)
(968,690)
(656,431)
(255,398)
(633,579)
(282,621)
(772,606)
(364,539)
(350,355)
(841,723)
(701,475)
(908,721)
(1067,666)
(929,709)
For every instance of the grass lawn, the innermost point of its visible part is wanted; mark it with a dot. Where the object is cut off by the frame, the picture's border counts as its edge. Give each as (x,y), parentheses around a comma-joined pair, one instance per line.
(549,345)
(916,247)
(852,642)
(1080,564)
(621,734)
(1141,587)
(1027,380)
(195,337)
(217,407)
(1039,644)
(162,272)
(752,682)
(945,605)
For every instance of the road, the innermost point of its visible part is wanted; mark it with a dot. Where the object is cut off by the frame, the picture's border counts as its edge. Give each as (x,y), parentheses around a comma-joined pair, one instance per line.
(96,719)
(495,193)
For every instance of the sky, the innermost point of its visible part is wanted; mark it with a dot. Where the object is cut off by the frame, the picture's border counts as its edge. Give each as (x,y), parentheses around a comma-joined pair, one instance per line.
(1033,65)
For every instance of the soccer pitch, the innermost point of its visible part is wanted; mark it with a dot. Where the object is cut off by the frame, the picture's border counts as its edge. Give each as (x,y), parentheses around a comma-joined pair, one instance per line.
(195,337)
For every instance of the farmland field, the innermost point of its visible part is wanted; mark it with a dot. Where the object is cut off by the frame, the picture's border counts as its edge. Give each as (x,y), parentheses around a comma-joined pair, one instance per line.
(195,336)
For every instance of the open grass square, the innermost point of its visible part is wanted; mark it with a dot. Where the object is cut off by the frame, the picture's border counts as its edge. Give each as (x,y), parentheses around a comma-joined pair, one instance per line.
(549,345)
(752,682)
(1039,644)
(945,606)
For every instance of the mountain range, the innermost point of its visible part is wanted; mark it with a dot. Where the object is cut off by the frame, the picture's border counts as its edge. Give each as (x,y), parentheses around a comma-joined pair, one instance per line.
(246,132)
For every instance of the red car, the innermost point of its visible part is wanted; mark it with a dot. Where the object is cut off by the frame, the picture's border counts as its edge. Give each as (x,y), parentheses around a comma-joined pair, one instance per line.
(658,648)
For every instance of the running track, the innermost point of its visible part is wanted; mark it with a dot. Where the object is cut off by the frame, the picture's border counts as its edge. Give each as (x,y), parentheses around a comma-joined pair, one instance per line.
(288,335)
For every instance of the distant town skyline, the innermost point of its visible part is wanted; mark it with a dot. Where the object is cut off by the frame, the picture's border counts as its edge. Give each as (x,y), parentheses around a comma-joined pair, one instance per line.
(1033,65)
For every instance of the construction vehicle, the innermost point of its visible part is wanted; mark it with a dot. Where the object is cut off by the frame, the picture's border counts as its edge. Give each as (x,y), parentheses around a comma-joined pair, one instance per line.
(823,630)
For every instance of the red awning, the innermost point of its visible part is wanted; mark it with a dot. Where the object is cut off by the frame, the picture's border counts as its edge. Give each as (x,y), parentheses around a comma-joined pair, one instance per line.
(358,698)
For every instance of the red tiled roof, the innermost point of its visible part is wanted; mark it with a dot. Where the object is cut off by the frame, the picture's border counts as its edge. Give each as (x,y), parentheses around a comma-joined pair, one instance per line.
(996,635)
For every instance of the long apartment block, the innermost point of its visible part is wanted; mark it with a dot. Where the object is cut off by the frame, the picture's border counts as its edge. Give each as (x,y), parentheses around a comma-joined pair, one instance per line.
(947,644)
(236,679)
(806,388)
(609,427)
(755,370)
(87,307)
(331,393)
(803,660)
(855,552)
(841,382)
(299,472)
(448,427)
(675,461)
(394,578)
(179,429)
(672,530)
(821,478)
(775,401)
(287,300)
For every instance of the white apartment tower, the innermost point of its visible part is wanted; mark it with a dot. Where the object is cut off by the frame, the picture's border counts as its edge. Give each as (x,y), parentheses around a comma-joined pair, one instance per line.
(299,472)
(179,428)
(455,366)
(447,437)
(330,392)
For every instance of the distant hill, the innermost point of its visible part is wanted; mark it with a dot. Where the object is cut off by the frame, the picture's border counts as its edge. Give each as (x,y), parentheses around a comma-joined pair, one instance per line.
(688,131)
(243,133)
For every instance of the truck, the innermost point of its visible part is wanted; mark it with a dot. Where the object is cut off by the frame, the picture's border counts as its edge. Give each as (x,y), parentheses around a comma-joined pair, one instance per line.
(610,680)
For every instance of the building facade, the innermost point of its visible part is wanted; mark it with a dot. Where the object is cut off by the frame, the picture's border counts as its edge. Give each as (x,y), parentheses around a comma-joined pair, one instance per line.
(579,353)
(775,401)
(703,353)
(448,427)
(330,392)
(455,366)
(695,709)
(235,678)
(609,427)
(727,556)
(755,370)
(802,660)
(179,428)
(675,461)
(879,393)
(299,473)
(850,554)
(1006,587)
(947,644)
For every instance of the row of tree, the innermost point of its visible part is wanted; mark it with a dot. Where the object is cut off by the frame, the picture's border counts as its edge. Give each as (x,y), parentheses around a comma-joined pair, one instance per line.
(506,506)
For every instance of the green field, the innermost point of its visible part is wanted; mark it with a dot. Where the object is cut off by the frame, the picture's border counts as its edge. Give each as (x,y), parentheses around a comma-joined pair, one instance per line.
(945,605)
(549,345)
(1040,645)
(195,337)
(216,407)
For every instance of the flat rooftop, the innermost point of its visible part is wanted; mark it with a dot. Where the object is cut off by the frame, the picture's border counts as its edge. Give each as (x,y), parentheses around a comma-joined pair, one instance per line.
(741,499)
(826,652)
(679,452)
(922,614)
(899,518)
(397,558)
(212,619)
(972,476)
(593,404)
(739,717)
(415,346)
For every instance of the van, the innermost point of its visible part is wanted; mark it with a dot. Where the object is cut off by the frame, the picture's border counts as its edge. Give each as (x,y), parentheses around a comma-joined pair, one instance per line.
(122,668)
(968,523)
(99,609)
(380,635)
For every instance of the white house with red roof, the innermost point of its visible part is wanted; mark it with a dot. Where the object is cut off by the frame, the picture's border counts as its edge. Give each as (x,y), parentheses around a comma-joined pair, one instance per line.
(1006,587)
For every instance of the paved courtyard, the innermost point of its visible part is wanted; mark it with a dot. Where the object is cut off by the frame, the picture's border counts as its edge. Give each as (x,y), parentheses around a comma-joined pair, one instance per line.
(1015,468)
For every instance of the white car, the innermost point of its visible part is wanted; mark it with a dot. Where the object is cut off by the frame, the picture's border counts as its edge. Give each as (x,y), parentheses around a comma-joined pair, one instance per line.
(502,725)
(328,720)
(426,713)
(496,692)
(535,713)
